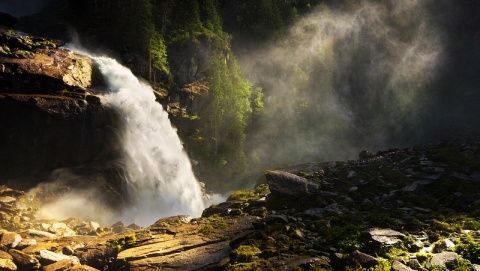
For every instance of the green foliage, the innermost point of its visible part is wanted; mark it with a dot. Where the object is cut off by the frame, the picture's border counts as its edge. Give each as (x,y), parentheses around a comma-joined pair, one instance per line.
(223,116)
(123,242)
(463,265)
(469,249)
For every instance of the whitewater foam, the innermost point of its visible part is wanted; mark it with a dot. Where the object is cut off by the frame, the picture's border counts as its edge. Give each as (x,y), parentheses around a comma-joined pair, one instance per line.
(159,178)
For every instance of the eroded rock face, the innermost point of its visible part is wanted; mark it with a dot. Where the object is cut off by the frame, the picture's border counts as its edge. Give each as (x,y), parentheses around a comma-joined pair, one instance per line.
(41,133)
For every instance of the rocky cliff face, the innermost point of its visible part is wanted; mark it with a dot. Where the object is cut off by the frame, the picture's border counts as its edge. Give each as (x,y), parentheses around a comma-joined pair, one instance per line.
(49,117)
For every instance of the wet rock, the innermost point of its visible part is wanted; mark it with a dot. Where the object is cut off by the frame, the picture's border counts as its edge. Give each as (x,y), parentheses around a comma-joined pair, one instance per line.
(385,236)
(286,184)
(24,261)
(448,259)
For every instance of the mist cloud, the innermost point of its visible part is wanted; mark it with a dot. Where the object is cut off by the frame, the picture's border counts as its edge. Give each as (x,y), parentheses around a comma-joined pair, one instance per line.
(346,79)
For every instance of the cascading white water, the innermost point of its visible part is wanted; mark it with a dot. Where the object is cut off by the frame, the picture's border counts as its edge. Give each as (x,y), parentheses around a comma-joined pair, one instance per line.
(159,177)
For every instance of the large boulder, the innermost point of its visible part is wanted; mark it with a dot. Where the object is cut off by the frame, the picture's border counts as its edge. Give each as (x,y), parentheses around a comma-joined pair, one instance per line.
(282,183)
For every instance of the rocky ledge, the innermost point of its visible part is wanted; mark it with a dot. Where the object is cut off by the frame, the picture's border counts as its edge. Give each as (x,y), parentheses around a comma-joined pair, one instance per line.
(35,65)
(410,209)
(49,117)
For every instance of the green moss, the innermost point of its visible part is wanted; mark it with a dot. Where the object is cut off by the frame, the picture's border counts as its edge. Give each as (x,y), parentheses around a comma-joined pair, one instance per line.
(262,189)
(245,253)
(241,195)
(206,230)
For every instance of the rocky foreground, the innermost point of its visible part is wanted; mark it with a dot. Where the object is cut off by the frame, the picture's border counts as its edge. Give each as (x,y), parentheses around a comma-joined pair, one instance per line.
(411,209)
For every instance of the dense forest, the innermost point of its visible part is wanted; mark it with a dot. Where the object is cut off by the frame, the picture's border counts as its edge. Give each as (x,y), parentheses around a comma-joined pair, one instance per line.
(287,81)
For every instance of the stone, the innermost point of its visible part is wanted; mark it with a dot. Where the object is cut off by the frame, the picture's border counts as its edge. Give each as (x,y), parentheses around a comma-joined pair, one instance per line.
(445,244)
(398,266)
(7,265)
(41,234)
(221,209)
(34,249)
(286,184)
(385,236)
(96,256)
(61,229)
(83,268)
(62,265)
(448,259)
(10,240)
(118,227)
(48,257)
(415,265)
(365,260)
(24,261)
(5,255)
(67,250)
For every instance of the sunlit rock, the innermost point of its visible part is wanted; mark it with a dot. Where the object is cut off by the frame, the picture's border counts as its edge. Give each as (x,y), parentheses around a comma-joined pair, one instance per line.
(48,257)
(7,265)
(24,261)
(385,236)
(448,259)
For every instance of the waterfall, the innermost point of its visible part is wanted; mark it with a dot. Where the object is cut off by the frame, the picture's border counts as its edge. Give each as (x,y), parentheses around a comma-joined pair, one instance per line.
(159,178)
